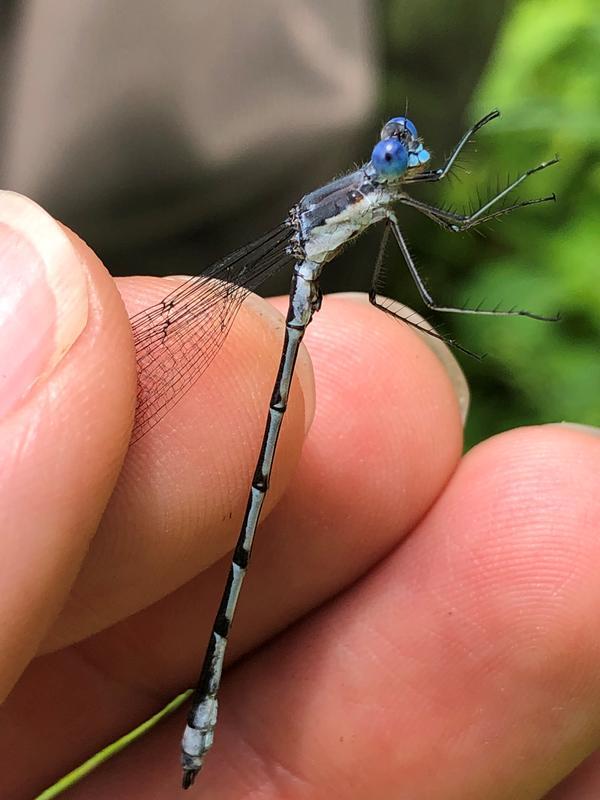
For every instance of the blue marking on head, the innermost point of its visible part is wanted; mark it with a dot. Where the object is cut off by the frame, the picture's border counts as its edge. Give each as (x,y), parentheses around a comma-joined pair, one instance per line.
(390,159)
(418,157)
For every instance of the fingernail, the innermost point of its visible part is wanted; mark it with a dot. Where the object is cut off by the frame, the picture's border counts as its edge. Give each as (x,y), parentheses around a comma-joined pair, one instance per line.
(43,297)
(591,430)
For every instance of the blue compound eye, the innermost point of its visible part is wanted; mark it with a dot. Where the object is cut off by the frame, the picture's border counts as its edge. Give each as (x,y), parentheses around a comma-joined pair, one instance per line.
(390,159)
(399,126)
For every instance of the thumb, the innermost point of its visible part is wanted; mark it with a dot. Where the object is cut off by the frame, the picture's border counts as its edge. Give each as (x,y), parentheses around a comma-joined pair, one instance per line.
(67,389)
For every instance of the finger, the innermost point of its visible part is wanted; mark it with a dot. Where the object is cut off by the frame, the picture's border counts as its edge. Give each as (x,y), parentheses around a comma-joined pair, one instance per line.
(174,511)
(386,437)
(465,666)
(300,559)
(183,487)
(363,481)
(66,394)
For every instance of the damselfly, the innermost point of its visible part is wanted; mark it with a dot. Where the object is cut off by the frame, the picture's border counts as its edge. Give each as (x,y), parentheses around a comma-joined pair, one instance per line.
(178,338)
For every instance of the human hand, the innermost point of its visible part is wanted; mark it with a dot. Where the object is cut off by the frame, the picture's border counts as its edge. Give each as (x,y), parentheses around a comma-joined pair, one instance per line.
(413,625)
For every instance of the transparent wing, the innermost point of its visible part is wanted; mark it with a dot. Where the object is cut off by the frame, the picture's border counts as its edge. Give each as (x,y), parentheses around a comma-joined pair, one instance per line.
(177,338)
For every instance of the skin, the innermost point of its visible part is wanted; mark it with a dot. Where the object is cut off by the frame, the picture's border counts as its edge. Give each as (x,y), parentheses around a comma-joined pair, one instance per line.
(415,624)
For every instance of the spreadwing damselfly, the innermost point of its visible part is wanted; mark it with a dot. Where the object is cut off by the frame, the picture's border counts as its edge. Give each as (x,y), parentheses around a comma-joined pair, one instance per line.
(177,338)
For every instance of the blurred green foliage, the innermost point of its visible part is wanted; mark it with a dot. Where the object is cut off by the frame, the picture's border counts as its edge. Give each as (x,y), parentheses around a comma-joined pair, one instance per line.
(544,74)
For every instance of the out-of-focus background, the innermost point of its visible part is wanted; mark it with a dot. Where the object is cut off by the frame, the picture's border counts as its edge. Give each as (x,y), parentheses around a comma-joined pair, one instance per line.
(167,134)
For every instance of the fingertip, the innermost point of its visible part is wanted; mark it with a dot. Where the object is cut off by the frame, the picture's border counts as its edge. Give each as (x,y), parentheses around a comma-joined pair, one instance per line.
(45,286)
(576,427)
(64,441)
(524,512)
(420,327)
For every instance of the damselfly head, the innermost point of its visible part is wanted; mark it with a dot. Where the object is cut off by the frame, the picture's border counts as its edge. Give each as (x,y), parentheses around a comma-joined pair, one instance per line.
(398,151)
